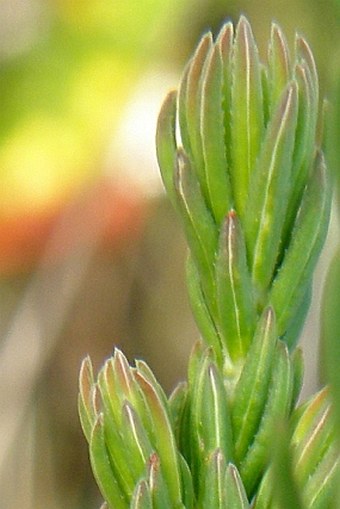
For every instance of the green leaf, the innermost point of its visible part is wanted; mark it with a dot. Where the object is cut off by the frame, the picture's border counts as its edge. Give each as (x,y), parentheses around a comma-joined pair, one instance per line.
(182,106)
(135,439)
(266,94)
(303,52)
(166,144)
(163,437)
(189,109)
(210,411)
(213,490)
(212,134)
(191,446)
(278,65)
(143,369)
(246,113)
(297,322)
(264,495)
(251,391)
(307,413)
(159,487)
(112,393)
(237,314)
(305,133)
(141,498)
(121,457)
(268,193)
(86,409)
(225,42)
(298,372)
(102,469)
(286,493)
(201,311)
(236,497)
(303,155)
(198,223)
(308,236)
(321,488)
(186,440)
(119,392)
(277,407)
(180,407)
(125,386)
(177,403)
(198,356)
(187,484)
(313,436)
(117,385)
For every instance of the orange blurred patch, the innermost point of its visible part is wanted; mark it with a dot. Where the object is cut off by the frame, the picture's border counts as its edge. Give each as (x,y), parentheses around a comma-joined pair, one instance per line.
(106,214)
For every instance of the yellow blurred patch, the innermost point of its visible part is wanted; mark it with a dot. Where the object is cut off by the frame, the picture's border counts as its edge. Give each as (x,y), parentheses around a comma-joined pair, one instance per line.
(41,164)
(131,24)
(98,93)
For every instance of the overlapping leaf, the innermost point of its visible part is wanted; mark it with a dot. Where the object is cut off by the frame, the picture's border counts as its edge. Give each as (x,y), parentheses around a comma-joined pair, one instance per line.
(240,162)
(131,435)
(248,132)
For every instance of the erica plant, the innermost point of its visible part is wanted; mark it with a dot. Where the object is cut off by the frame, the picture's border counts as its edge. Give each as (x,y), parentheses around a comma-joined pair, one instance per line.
(241,164)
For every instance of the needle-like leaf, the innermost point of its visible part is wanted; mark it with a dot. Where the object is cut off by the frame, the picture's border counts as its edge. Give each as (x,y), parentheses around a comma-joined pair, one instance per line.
(166,144)
(236,304)
(251,391)
(213,489)
(308,236)
(236,496)
(246,112)
(141,498)
(277,407)
(102,469)
(278,64)
(190,109)
(212,133)
(269,190)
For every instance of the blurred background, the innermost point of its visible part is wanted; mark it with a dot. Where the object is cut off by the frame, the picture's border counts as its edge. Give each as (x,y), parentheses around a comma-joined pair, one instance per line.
(91,255)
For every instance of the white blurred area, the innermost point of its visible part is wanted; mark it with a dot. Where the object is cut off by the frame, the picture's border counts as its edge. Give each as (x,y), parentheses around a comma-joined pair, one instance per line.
(21,22)
(133,146)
